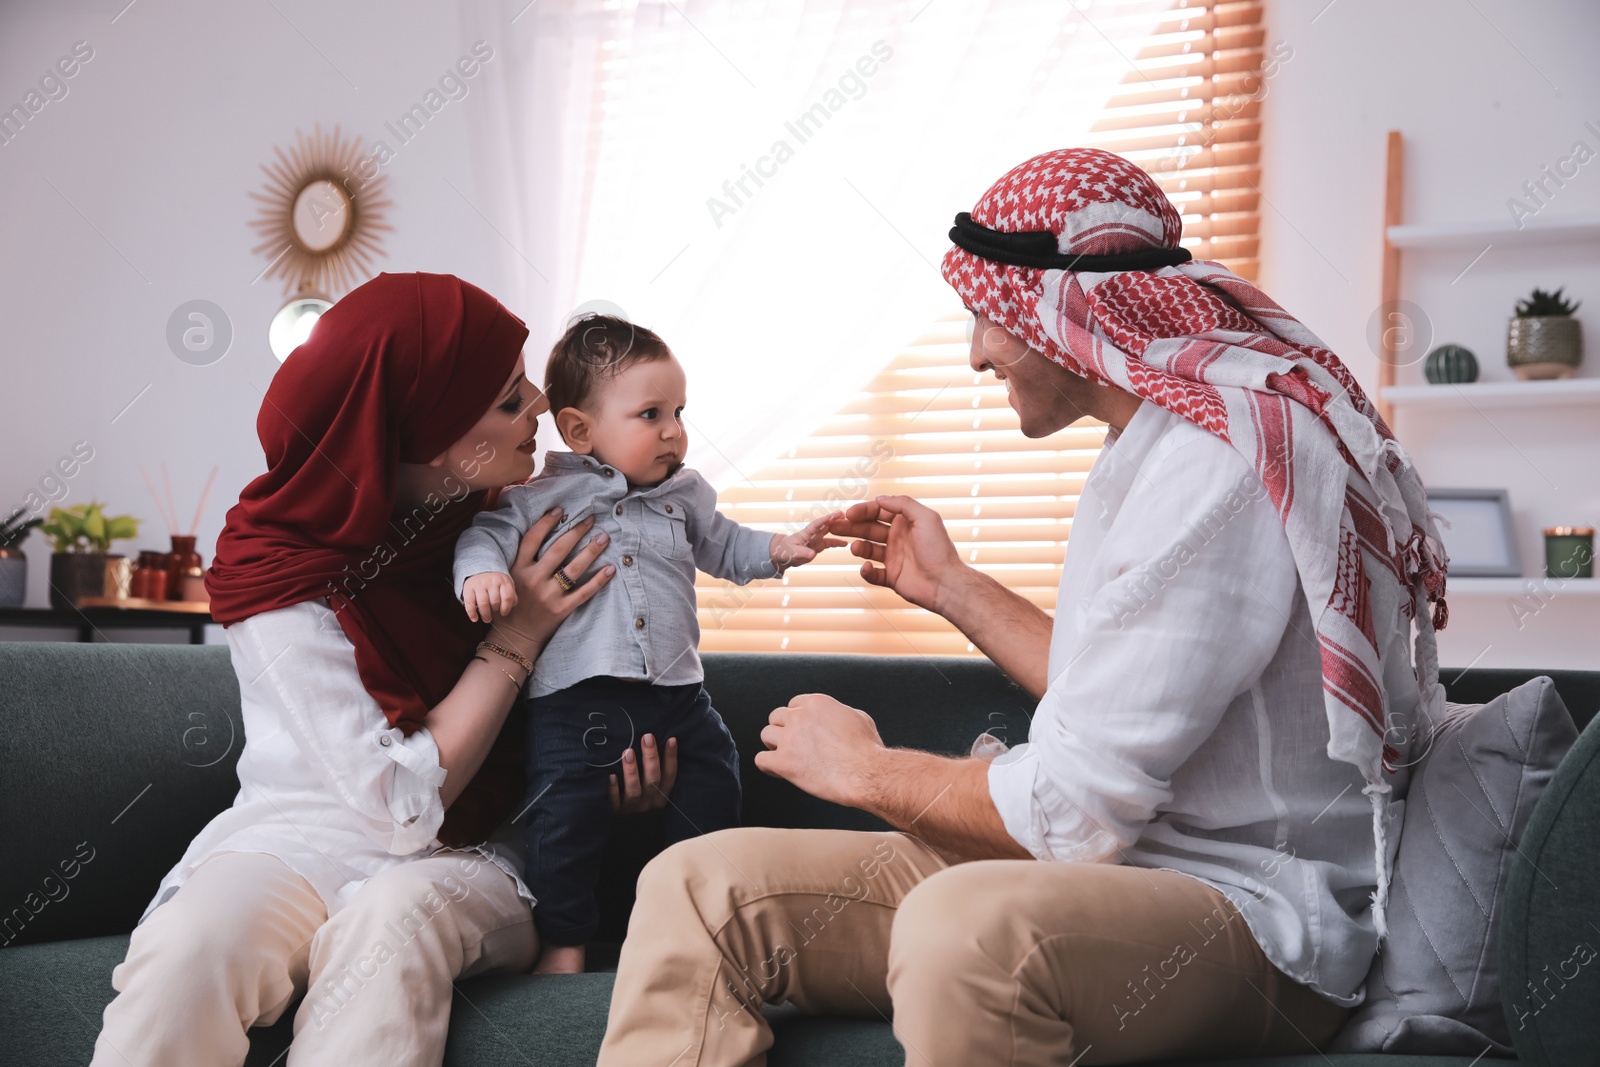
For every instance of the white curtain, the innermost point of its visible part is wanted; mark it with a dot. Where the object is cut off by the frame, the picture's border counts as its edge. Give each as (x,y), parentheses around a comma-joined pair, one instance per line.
(767,185)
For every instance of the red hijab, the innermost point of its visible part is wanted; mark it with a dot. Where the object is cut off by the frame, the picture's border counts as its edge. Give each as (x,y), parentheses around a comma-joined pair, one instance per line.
(397,371)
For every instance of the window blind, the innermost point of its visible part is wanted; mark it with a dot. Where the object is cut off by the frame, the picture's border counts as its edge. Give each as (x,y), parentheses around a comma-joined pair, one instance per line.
(926,427)
(1188,112)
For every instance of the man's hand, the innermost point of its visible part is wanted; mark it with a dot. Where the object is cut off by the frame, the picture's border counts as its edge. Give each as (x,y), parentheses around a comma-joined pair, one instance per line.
(908,538)
(833,752)
(822,746)
(802,546)
(920,562)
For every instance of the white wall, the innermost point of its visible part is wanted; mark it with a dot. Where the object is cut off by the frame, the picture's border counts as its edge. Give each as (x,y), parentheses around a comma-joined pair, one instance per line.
(128,197)
(1486,94)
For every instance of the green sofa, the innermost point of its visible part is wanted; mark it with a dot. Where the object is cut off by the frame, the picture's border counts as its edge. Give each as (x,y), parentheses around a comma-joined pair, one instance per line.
(114,756)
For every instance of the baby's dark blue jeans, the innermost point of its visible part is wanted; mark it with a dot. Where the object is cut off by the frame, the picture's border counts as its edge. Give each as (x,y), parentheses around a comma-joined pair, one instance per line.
(576,738)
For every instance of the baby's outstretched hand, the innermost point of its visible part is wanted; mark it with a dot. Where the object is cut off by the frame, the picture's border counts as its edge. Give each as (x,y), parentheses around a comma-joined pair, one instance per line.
(484,594)
(802,546)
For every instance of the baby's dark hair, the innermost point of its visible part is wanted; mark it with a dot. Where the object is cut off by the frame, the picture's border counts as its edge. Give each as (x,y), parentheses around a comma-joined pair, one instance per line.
(595,349)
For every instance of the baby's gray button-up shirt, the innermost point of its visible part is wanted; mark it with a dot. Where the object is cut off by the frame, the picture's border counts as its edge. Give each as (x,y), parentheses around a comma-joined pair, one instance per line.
(643,623)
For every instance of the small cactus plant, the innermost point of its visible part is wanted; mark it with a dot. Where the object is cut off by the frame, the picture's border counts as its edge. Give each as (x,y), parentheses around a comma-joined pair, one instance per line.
(1450,364)
(1542,303)
(1543,340)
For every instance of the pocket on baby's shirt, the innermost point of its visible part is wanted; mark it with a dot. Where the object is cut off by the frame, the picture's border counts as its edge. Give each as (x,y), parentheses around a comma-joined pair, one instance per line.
(666,528)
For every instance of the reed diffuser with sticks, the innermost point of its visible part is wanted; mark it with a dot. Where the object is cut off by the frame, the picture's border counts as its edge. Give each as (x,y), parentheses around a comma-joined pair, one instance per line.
(185,570)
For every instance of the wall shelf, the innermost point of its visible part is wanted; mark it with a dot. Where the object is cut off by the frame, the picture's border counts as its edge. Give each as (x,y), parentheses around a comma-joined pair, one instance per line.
(1550,587)
(1560,392)
(1559,229)
(1454,432)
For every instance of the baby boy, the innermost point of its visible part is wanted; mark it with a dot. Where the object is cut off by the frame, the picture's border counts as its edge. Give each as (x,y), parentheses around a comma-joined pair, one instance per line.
(627,662)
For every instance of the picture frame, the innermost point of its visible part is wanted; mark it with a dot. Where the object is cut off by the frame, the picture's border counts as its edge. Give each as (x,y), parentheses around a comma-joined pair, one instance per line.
(1479,537)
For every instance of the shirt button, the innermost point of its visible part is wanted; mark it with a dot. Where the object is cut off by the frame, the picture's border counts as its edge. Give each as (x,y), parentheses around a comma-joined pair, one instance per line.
(627,561)
(669,509)
(384,740)
(638,624)
(606,471)
(619,509)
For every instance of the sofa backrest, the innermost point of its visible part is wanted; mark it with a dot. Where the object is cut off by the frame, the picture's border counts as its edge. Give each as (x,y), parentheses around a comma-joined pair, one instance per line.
(1579,690)
(937,703)
(112,757)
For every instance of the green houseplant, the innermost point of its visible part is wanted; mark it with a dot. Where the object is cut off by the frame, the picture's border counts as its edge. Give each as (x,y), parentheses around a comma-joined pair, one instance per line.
(82,564)
(1543,340)
(13,562)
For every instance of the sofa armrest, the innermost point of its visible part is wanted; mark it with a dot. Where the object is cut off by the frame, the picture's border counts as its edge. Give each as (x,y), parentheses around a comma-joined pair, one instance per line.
(1550,925)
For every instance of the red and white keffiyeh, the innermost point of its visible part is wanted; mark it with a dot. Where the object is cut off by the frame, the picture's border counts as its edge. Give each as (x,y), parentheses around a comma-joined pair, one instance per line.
(1204,343)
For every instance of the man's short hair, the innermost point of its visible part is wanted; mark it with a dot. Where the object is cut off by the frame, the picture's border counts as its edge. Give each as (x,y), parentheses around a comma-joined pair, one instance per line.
(595,349)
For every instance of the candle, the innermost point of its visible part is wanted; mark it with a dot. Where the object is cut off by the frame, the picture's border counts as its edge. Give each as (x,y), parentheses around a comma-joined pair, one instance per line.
(1569,552)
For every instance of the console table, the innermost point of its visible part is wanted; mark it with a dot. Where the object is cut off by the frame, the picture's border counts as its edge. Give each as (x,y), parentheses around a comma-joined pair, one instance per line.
(96,615)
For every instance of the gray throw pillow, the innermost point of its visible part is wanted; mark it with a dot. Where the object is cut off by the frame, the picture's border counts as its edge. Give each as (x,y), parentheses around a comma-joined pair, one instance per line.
(1434,986)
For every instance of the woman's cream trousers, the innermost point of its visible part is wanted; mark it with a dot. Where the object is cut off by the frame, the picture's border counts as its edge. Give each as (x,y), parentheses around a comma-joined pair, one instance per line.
(245,935)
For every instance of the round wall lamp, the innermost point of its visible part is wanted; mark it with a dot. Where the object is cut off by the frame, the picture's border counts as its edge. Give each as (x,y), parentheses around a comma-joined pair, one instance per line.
(291,326)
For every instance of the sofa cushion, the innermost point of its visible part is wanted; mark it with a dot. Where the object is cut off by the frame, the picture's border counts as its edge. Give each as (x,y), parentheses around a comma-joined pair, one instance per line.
(1434,986)
(1356,1059)
(52,996)
(51,999)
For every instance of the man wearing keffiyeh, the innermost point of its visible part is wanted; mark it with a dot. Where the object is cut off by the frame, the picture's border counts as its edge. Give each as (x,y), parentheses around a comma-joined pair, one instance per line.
(1227,701)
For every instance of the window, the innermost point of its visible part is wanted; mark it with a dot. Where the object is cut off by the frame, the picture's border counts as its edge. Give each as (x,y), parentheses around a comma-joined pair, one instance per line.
(1188,112)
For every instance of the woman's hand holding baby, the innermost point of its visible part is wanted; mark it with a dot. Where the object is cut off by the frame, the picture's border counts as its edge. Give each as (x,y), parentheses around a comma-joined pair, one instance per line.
(539,604)
(802,546)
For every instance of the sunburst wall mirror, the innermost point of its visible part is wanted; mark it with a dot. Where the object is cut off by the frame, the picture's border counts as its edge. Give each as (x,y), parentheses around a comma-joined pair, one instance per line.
(322,211)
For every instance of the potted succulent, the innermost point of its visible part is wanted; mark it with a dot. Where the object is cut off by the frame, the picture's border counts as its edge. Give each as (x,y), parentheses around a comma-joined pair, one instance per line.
(1543,340)
(82,564)
(13,563)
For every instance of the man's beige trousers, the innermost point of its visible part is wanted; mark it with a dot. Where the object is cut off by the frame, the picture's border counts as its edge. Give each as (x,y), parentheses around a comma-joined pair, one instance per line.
(992,962)
(245,935)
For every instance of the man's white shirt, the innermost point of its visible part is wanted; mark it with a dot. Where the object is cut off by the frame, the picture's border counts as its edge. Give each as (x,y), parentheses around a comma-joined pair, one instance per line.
(1183,726)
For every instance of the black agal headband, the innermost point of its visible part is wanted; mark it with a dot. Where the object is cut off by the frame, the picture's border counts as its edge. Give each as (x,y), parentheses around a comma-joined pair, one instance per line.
(1037,248)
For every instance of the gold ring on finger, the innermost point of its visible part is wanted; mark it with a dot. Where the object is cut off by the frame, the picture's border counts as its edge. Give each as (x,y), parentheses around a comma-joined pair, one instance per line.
(566,583)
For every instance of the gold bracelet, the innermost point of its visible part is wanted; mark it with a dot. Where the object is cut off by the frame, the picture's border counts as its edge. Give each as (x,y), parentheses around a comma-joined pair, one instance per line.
(503,671)
(511,654)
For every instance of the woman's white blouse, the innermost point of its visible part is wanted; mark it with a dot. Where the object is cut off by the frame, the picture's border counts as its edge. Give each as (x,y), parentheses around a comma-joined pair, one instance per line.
(1183,726)
(325,783)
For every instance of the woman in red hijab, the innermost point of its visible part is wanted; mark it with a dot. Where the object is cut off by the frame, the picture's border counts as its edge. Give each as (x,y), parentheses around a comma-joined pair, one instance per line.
(368,860)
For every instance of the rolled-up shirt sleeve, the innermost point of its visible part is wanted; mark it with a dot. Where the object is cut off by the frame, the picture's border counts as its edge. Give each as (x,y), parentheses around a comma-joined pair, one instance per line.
(298,661)
(491,542)
(1200,582)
